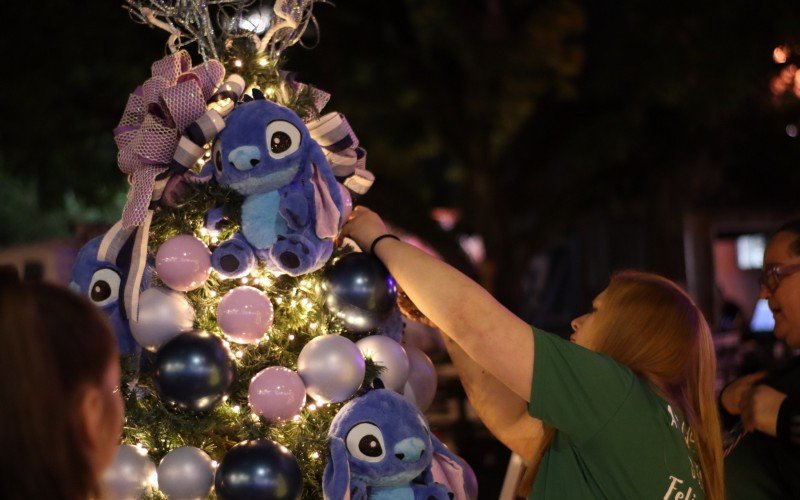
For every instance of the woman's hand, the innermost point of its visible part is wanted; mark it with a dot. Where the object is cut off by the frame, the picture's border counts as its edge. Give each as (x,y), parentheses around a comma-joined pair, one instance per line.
(760,407)
(363,226)
(733,394)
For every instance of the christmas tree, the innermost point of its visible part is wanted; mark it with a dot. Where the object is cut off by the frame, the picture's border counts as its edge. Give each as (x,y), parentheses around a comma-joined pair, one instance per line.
(244,325)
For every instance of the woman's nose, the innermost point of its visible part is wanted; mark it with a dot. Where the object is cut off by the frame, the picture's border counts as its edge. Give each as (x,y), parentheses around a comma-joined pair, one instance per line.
(576,323)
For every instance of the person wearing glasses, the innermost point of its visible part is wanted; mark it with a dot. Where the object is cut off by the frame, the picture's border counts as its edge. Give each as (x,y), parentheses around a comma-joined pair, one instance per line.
(766,461)
(628,404)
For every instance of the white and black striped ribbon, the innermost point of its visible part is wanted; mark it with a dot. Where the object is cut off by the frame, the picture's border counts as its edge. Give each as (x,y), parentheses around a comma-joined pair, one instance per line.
(347,159)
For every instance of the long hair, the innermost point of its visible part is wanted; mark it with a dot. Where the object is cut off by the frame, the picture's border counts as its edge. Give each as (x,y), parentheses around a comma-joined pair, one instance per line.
(651,325)
(52,344)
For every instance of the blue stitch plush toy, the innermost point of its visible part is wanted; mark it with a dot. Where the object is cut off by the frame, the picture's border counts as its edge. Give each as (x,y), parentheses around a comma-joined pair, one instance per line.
(381,448)
(293,205)
(102,277)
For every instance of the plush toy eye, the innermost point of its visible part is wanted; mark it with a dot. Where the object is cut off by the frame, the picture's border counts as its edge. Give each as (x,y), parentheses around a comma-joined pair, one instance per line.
(283,139)
(365,442)
(216,156)
(104,286)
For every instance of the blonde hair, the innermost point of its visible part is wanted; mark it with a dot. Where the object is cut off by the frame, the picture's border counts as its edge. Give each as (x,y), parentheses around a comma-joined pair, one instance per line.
(652,326)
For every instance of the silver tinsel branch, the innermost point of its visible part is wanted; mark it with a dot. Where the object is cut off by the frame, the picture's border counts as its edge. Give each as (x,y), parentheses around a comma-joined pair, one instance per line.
(190,21)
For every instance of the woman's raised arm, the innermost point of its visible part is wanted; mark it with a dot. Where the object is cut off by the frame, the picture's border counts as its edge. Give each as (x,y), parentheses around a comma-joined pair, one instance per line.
(490,334)
(504,413)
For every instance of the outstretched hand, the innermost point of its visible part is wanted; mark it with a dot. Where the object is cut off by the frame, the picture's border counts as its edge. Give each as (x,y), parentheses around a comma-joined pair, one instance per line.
(733,395)
(760,406)
(363,226)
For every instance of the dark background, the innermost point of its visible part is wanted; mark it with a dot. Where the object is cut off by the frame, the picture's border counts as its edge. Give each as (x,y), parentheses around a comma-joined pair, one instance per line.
(584,132)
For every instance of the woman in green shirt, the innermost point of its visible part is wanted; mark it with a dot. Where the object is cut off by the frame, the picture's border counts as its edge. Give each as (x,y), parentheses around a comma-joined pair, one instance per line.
(631,399)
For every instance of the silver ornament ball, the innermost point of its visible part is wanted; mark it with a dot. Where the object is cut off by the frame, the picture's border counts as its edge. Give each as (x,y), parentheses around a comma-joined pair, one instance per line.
(130,474)
(186,473)
(332,368)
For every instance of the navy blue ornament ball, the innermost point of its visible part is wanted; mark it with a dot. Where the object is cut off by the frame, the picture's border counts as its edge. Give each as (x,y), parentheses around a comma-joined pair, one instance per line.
(193,371)
(360,291)
(258,469)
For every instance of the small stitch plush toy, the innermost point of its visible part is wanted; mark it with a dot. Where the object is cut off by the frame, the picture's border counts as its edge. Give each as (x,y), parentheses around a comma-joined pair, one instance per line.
(100,274)
(381,448)
(293,204)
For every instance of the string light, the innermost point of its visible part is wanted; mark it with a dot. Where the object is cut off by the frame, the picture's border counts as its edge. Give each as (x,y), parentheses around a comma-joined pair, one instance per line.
(212,293)
(262,62)
(255,418)
(236,408)
(238,63)
(291,337)
(240,354)
(314,455)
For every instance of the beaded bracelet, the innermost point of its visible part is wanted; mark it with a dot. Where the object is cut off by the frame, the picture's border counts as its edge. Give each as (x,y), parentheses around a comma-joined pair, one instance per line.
(379,238)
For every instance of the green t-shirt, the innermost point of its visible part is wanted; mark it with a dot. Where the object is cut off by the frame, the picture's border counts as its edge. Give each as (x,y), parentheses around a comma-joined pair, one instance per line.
(615,438)
(753,473)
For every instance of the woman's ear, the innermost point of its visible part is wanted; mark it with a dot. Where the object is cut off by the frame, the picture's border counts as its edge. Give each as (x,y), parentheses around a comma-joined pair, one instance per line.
(89,421)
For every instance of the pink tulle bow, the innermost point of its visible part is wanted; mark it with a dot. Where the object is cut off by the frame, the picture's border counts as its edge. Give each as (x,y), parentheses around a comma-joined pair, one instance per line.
(155,116)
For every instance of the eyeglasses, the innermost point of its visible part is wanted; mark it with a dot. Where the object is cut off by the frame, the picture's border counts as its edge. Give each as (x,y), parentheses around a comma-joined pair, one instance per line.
(771,276)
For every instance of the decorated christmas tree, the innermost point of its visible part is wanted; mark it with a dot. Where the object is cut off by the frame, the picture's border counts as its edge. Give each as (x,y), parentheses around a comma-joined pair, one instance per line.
(245,325)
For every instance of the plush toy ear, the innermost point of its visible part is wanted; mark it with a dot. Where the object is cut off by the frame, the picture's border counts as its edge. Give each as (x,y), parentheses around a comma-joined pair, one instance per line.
(327,196)
(336,478)
(451,470)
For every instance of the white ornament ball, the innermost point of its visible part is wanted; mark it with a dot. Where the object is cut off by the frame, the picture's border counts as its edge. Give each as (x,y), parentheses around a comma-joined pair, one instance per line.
(332,368)
(186,473)
(130,474)
(163,314)
(390,355)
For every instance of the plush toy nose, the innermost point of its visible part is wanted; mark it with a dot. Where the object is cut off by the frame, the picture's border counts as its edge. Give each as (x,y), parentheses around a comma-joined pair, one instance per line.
(244,157)
(409,449)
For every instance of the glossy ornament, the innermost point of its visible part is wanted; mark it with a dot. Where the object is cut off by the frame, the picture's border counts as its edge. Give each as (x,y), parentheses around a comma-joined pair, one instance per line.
(245,315)
(389,355)
(360,291)
(332,368)
(277,393)
(193,371)
(183,263)
(420,388)
(163,314)
(130,474)
(258,469)
(186,473)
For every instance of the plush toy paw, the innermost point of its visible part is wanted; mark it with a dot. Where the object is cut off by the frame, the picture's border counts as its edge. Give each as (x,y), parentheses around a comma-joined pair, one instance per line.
(216,219)
(233,258)
(435,491)
(295,254)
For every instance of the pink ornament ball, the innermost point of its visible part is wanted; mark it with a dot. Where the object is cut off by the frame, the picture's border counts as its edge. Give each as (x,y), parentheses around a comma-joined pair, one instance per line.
(277,394)
(183,263)
(245,315)
(420,388)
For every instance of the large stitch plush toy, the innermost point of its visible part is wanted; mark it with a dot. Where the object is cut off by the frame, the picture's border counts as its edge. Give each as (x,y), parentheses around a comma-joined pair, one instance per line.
(381,448)
(293,204)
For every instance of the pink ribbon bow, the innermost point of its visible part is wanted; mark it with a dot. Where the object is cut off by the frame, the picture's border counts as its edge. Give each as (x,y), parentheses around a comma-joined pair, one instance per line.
(155,116)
